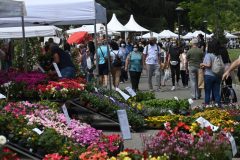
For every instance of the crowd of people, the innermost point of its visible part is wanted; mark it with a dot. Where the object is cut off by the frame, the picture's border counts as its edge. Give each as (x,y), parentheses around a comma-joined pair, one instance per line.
(191,63)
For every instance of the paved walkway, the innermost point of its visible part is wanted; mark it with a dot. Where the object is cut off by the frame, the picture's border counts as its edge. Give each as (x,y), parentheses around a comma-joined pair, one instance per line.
(164,93)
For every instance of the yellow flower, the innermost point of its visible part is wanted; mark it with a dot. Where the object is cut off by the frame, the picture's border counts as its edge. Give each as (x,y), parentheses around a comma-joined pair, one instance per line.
(113,158)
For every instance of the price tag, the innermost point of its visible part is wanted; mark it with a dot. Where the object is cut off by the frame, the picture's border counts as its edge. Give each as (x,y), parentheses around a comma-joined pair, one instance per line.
(124,125)
(2,96)
(38,131)
(57,70)
(125,96)
(41,69)
(131,91)
(65,111)
(205,123)
(233,143)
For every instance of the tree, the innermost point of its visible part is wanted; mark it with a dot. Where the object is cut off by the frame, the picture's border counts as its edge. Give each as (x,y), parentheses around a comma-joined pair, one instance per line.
(155,15)
(220,14)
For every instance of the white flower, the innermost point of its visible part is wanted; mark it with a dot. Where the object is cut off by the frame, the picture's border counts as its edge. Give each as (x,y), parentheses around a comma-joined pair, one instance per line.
(3,140)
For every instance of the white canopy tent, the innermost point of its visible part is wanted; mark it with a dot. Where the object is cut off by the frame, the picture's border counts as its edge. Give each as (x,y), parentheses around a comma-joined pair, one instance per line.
(115,25)
(149,35)
(32,31)
(90,29)
(57,12)
(10,8)
(132,25)
(189,35)
(167,34)
(229,35)
(196,33)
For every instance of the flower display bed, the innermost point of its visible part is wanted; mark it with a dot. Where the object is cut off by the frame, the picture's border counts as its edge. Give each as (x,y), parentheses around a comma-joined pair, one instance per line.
(53,135)
(43,129)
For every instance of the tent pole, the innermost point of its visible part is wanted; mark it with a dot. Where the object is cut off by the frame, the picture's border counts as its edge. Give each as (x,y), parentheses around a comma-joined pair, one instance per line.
(24,41)
(96,47)
(109,62)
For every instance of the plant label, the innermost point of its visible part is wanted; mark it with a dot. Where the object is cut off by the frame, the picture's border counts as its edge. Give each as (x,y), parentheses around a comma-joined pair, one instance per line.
(96,90)
(176,98)
(190,101)
(57,70)
(205,123)
(171,112)
(124,125)
(38,131)
(65,111)
(2,96)
(41,69)
(233,143)
(131,91)
(125,96)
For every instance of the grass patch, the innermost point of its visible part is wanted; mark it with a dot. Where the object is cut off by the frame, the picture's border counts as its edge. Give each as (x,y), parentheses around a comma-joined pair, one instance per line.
(234,54)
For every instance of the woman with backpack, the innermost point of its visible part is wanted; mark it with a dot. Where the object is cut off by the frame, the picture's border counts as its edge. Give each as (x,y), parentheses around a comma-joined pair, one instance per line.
(134,63)
(212,79)
(116,63)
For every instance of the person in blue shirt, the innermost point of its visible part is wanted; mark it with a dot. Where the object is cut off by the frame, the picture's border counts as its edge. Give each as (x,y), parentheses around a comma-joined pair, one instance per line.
(134,63)
(102,53)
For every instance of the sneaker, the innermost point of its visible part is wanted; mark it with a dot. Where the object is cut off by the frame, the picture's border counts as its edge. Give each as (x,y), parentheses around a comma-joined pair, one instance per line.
(173,88)
(158,90)
(151,90)
(121,82)
(186,86)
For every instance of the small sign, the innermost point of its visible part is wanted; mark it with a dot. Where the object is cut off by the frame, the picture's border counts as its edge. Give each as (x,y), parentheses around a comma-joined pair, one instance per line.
(2,96)
(233,143)
(57,70)
(190,101)
(131,91)
(176,98)
(125,96)
(38,131)
(171,112)
(124,125)
(205,123)
(64,108)
(41,69)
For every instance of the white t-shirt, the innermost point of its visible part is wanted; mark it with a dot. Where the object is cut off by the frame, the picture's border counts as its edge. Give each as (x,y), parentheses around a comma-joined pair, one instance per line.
(152,54)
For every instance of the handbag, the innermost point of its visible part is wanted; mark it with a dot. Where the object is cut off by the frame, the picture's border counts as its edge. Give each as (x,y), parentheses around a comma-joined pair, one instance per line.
(105,58)
(117,61)
(200,78)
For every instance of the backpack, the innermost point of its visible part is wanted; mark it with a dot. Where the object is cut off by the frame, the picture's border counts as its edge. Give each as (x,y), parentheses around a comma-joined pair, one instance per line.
(218,66)
(228,95)
(117,61)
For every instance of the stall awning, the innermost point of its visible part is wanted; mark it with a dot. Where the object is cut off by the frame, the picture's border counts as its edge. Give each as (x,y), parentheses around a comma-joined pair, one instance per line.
(33,31)
(59,12)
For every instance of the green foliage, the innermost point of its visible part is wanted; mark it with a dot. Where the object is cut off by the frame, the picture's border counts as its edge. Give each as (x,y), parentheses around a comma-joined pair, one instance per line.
(157,107)
(144,96)
(234,54)
(155,15)
(33,50)
(220,14)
